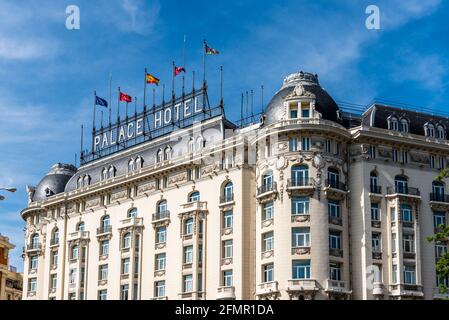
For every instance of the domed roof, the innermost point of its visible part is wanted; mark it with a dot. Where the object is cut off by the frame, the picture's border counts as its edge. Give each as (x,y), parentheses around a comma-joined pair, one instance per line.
(308,87)
(54,182)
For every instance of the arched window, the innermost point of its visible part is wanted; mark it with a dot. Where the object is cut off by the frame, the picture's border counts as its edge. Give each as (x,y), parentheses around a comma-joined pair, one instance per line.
(80,226)
(139,162)
(191,145)
(159,156)
(104,174)
(167,153)
(194,196)
(80,182)
(74,252)
(200,143)
(401,184)
(429,129)
(34,241)
(86,180)
(373,182)
(228,192)
(333,177)
(105,222)
(393,123)
(55,235)
(111,171)
(404,125)
(161,206)
(267,179)
(441,132)
(131,165)
(300,176)
(437,191)
(188,226)
(132,213)
(126,242)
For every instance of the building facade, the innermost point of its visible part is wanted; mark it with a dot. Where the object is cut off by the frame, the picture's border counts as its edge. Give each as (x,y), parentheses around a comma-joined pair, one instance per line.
(10,280)
(310,202)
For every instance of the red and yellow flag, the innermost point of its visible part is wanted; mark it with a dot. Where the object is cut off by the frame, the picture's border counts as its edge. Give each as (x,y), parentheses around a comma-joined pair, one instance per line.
(152,79)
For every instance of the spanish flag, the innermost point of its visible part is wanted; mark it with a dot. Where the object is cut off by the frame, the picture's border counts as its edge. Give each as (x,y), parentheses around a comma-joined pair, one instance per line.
(152,79)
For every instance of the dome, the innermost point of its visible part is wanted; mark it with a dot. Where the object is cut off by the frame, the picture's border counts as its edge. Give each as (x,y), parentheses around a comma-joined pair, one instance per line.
(309,87)
(54,182)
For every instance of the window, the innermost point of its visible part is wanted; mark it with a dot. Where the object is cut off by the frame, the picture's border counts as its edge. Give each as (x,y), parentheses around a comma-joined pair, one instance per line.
(305,113)
(32,285)
(35,241)
(373,182)
(105,222)
(228,218)
(191,145)
(161,234)
(103,294)
(395,274)
(53,281)
(267,241)
(159,156)
(335,240)
(409,275)
(335,271)
(305,144)
(437,191)
(439,219)
(333,207)
(54,258)
(404,156)
(139,162)
(440,250)
(409,243)
(300,205)
(132,213)
(188,226)
(393,123)
(227,249)
(393,213)
(111,171)
(103,272)
(33,262)
(372,152)
(159,289)
(300,237)
(429,129)
(227,278)
(80,227)
(126,242)
(406,213)
(293,113)
(188,254)
(375,212)
(267,211)
(333,177)
(301,269)
(55,236)
(194,196)
(432,161)
(86,180)
(267,273)
(72,296)
(167,153)
(376,242)
(293,144)
(124,292)
(125,266)
(401,184)
(441,132)
(187,283)
(393,242)
(161,206)
(328,146)
(104,248)
(104,174)
(337,148)
(395,155)
(74,252)
(441,162)
(160,261)
(228,192)
(72,276)
(131,165)
(300,176)
(267,180)
(403,125)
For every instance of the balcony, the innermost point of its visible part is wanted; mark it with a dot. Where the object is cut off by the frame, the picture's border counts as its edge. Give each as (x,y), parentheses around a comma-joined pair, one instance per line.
(54,242)
(336,252)
(377,254)
(33,247)
(303,285)
(304,186)
(409,255)
(439,201)
(336,286)
(378,289)
(161,218)
(268,191)
(104,230)
(406,290)
(267,288)
(374,189)
(78,235)
(404,192)
(196,206)
(376,224)
(300,251)
(335,190)
(227,199)
(132,222)
(335,221)
(226,293)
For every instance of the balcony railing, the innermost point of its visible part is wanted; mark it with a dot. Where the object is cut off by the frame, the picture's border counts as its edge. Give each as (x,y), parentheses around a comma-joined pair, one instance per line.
(104,230)
(266,188)
(226,293)
(33,246)
(267,287)
(161,215)
(302,285)
(300,182)
(336,285)
(54,242)
(336,185)
(227,198)
(375,189)
(403,190)
(439,197)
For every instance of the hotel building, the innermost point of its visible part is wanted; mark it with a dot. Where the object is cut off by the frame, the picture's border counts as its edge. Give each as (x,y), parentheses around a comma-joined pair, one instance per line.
(10,280)
(307,202)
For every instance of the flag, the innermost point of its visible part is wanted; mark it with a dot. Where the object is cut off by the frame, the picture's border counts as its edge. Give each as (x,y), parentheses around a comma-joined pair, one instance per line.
(101,102)
(152,79)
(125,97)
(178,70)
(210,50)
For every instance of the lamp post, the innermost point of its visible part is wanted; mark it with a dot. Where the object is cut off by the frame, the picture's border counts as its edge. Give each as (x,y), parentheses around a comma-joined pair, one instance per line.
(7,189)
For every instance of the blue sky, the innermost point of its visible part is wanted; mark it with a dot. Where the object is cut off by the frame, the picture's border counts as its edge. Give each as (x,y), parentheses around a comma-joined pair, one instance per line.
(48,73)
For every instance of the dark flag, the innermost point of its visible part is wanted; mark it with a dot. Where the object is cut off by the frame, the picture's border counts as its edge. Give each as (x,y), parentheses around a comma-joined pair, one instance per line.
(178,70)
(101,102)
(210,50)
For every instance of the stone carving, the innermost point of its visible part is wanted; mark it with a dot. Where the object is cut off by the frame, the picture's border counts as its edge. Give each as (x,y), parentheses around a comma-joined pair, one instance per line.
(119,195)
(282,146)
(176,179)
(71,208)
(210,168)
(419,158)
(385,153)
(92,203)
(281,163)
(147,187)
(30,191)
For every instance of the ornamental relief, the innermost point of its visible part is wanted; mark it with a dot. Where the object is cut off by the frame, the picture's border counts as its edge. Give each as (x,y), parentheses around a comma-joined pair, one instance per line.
(71,208)
(147,187)
(123,194)
(176,179)
(384,152)
(92,203)
(419,158)
(210,169)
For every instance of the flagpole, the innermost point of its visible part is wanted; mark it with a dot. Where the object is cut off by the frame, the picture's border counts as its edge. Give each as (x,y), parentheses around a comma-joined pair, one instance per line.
(110,97)
(262,98)
(241,109)
(204,62)
(82,151)
(173,83)
(118,105)
(184,62)
(144,89)
(221,87)
(95,107)
(101,120)
(135,106)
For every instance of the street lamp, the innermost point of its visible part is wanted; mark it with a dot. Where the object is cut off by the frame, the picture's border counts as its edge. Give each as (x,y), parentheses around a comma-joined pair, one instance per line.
(7,189)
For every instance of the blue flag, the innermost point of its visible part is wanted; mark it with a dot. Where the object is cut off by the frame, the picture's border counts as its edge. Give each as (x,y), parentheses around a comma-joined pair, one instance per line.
(101,102)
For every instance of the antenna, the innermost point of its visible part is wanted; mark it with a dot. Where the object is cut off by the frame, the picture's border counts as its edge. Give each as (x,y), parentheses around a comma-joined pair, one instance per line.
(261,87)
(252,95)
(241,108)
(246,115)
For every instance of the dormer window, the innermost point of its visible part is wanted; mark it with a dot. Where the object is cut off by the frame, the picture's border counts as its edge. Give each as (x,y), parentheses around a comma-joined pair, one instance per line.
(429,130)
(48,192)
(111,171)
(305,113)
(167,153)
(86,180)
(131,165)
(404,127)
(138,162)
(393,123)
(441,132)
(159,156)
(293,112)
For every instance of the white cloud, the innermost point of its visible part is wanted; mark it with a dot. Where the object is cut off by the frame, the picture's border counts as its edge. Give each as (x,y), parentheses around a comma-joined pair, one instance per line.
(142,16)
